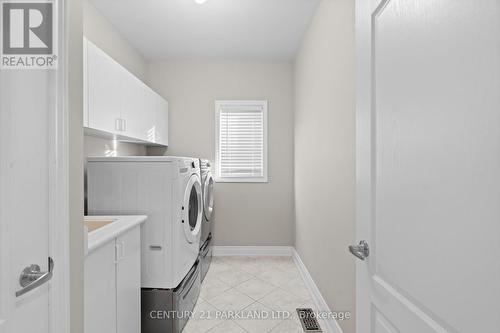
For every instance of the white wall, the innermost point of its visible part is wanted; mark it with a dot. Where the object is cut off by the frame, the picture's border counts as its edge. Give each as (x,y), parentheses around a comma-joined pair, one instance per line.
(246,213)
(103,34)
(99,31)
(320,86)
(94,146)
(325,153)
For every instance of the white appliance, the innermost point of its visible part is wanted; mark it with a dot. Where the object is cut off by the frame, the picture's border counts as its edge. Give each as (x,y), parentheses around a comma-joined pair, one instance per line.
(207,187)
(168,190)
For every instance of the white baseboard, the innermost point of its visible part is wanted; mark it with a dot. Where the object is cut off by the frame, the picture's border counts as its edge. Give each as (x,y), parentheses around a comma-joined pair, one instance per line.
(279,251)
(332,324)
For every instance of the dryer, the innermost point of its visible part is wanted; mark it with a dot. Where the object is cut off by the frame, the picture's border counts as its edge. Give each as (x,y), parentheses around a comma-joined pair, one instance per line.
(168,190)
(207,188)
(207,227)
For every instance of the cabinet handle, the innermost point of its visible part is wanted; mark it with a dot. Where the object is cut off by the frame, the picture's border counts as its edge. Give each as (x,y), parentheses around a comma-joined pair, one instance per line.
(123,250)
(117,124)
(120,125)
(117,251)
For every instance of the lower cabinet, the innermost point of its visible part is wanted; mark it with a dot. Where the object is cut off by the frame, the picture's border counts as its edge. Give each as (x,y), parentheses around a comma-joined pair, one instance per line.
(128,282)
(113,286)
(100,290)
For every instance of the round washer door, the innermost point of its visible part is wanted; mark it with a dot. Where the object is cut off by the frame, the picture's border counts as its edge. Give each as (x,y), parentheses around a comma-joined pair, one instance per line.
(192,209)
(208,196)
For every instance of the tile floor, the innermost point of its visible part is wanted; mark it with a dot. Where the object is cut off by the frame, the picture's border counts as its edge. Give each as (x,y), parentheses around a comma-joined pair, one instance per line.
(250,294)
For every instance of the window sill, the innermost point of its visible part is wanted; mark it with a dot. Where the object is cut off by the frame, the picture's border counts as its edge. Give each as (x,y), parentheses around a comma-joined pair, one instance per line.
(241,180)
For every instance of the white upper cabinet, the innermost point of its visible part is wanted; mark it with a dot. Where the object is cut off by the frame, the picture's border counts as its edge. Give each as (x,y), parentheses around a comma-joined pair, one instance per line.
(161,117)
(138,113)
(103,90)
(119,104)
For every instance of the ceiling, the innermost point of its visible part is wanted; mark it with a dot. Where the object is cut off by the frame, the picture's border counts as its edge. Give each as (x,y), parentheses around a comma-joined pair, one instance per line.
(229,29)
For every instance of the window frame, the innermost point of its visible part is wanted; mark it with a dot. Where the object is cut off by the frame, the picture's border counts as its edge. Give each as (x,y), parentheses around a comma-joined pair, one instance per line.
(263,104)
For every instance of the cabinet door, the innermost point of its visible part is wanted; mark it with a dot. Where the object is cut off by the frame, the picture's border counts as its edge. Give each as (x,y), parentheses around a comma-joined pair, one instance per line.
(100,290)
(138,108)
(128,279)
(161,126)
(148,113)
(103,89)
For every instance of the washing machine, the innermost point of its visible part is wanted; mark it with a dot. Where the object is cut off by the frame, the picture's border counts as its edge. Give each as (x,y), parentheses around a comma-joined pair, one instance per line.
(207,188)
(168,190)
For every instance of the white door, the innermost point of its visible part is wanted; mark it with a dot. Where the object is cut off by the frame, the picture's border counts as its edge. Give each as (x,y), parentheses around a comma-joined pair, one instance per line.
(429,165)
(33,200)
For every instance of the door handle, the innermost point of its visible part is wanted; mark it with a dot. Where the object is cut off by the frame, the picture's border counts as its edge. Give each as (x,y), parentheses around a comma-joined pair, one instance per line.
(31,277)
(361,251)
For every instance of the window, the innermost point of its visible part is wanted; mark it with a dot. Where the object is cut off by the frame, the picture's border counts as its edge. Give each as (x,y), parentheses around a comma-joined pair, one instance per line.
(241,141)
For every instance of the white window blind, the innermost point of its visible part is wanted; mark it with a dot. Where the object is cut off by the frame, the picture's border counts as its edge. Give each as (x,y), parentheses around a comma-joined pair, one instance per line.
(242,141)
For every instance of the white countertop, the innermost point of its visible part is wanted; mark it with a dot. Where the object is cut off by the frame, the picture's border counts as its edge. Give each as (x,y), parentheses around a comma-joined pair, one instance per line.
(103,235)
